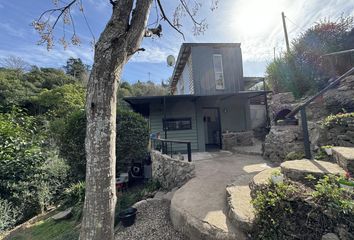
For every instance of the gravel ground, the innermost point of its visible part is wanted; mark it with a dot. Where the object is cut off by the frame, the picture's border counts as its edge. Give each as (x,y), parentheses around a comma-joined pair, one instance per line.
(152,222)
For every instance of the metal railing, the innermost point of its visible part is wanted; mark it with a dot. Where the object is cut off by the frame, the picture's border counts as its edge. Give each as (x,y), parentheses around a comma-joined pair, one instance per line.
(302,108)
(166,146)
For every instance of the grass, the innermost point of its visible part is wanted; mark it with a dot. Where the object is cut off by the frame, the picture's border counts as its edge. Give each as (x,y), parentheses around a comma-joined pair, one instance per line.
(49,229)
(68,229)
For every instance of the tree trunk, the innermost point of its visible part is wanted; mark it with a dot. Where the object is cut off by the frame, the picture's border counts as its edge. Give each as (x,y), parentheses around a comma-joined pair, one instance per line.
(118,42)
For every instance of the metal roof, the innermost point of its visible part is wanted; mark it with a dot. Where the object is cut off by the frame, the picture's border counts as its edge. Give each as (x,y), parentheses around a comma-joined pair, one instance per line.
(184,53)
(148,99)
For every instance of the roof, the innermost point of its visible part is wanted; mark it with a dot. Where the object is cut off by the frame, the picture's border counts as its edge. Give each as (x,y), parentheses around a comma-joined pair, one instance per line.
(184,53)
(141,104)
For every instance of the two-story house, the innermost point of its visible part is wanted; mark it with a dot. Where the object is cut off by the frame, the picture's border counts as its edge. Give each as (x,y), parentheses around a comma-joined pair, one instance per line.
(207,100)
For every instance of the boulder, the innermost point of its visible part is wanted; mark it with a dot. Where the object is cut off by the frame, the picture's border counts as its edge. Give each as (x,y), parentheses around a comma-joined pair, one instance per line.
(63,215)
(298,170)
(344,156)
(330,236)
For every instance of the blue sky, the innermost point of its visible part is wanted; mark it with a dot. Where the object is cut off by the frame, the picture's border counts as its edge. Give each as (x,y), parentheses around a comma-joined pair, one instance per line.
(256,24)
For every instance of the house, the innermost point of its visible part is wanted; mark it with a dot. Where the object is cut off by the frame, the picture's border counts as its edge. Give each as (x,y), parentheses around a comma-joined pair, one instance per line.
(208,101)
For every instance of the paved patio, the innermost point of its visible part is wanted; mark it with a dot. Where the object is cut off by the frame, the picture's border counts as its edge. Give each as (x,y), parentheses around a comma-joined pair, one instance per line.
(198,209)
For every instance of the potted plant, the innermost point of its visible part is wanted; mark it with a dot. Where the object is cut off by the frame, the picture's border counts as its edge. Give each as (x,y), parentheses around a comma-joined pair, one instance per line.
(346,182)
(277,177)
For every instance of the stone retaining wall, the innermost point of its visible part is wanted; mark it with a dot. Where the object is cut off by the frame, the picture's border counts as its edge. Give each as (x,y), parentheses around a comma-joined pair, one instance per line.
(339,133)
(170,172)
(233,139)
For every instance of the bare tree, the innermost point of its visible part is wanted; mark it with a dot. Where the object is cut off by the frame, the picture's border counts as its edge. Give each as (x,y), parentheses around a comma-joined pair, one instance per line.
(120,39)
(15,63)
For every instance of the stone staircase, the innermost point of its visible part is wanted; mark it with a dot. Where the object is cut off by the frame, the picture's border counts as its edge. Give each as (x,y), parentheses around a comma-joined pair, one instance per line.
(240,210)
(202,209)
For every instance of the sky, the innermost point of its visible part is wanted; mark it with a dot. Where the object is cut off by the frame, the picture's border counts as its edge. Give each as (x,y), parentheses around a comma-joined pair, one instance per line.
(256,24)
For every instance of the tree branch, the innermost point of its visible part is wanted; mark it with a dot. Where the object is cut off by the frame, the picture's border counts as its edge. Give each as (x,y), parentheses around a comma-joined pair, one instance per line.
(168,21)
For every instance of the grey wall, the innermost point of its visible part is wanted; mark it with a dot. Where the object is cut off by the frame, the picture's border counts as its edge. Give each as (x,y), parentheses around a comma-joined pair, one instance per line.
(175,109)
(203,69)
(234,115)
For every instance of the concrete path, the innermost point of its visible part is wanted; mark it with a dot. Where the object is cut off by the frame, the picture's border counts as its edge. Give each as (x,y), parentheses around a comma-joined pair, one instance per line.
(198,209)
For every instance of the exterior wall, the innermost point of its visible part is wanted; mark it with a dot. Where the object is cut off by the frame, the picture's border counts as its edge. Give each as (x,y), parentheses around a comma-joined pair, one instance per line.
(180,109)
(203,70)
(258,115)
(234,115)
(185,83)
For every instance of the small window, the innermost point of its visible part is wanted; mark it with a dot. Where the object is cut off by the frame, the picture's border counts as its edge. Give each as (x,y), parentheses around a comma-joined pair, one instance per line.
(218,71)
(173,124)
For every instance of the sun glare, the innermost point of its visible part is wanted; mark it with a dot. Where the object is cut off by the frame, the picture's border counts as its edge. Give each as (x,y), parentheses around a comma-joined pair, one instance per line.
(255,17)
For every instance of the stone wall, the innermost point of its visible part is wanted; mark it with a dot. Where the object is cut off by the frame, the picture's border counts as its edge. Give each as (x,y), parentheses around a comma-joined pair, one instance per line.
(170,172)
(233,139)
(283,140)
(340,132)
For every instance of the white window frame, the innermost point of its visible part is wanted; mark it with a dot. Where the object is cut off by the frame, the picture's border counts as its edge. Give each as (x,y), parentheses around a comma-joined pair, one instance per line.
(216,73)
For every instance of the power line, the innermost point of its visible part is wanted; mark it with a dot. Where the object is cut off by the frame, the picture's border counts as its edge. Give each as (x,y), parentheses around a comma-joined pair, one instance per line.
(301,28)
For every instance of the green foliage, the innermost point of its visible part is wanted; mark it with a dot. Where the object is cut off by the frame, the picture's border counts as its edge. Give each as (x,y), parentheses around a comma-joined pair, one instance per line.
(8,215)
(294,156)
(280,209)
(60,101)
(330,194)
(338,119)
(74,194)
(76,68)
(303,71)
(30,177)
(132,141)
(71,135)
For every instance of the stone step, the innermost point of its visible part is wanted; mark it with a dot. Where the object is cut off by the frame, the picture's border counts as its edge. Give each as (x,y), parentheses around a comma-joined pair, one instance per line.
(240,208)
(344,157)
(261,180)
(298,170)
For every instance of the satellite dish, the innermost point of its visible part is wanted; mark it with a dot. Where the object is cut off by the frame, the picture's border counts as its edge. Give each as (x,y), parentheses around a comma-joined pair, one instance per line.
(171,60)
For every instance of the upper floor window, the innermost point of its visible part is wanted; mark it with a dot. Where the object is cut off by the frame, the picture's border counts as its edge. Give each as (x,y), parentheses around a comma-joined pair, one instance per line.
(218,71)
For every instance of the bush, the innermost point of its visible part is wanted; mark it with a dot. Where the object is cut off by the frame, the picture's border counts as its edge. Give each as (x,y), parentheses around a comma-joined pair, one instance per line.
(30,175)
(303,71)
(132,141)
(295,211)
(8,215)
(74,196)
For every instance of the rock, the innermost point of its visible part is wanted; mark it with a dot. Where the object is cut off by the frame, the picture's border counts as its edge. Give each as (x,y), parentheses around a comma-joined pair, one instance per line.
(344,156)
(282,140)
(170,172)
(241,211)
(298,170)
(330,236)
(233,139)
(261,180)
(63,215)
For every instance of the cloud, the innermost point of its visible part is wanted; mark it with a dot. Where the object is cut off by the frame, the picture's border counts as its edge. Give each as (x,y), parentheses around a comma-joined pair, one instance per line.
(16,32)
(153,54)
(38,55)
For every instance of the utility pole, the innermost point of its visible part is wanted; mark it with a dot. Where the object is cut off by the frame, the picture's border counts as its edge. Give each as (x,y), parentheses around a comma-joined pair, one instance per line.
(149,73)
(285,32)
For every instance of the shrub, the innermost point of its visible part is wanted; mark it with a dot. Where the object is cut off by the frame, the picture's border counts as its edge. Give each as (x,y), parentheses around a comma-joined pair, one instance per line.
(132,141)
(74,196)
(8,215)
(338,119)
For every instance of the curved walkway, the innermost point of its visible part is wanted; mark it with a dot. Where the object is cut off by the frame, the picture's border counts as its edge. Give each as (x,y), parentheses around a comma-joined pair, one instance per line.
(198,209)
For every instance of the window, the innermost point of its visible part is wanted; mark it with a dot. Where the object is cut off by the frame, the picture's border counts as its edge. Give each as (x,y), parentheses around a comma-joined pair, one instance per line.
(172,124)
(218,71)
